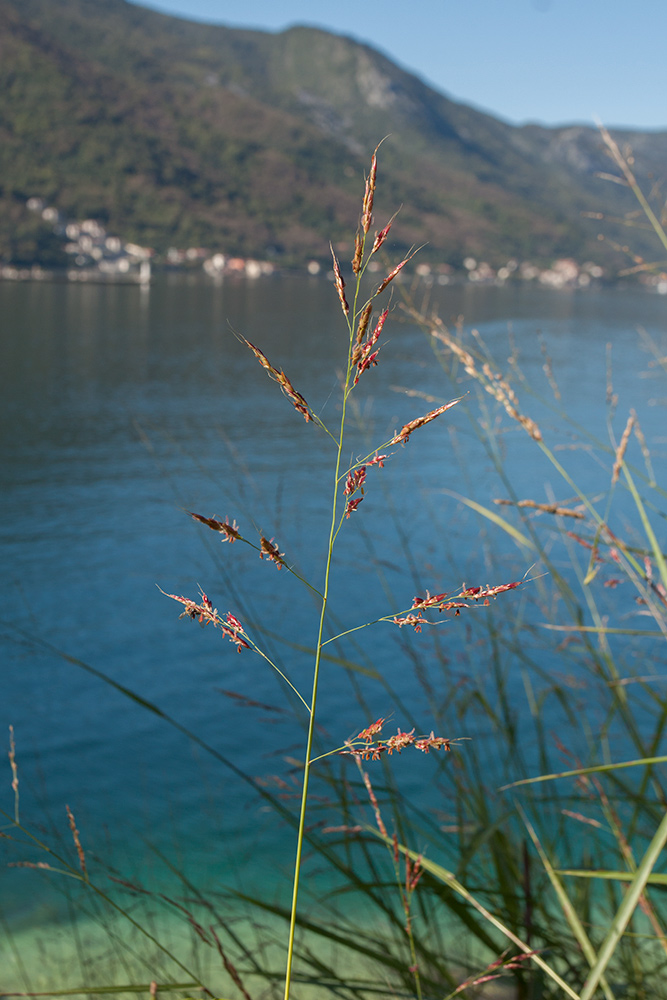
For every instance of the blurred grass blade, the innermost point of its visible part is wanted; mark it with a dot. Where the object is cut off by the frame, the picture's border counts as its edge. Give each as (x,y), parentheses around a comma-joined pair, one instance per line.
(566,905)
(129,988)
(449,879)
(626,910)
(656,878)
(602,630)
(648,530)
(585,770)
(491,515)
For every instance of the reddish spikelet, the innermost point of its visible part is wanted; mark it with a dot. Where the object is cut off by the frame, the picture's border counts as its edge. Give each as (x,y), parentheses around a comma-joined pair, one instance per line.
(355,481)
(400,741)
(362,356)
(207,614)
(230,531)
(382,235)
(434,601)
(392,274)
(371,731)
(279,376)
(297,400)
(476,593)
(340,284)
(268,549)
(352,506)
(415,620)
(432,742)
(364,320)
(378,460)
(413,874)
(358,252)
(369,195)
(77,843)
(366,753)
(405,432)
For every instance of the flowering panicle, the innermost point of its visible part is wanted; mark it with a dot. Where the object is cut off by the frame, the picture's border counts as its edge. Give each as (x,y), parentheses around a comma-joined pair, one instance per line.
(371,731)
(363,355)
(622,447)
(206,614)
(340,284)
(404,434)
(491,381)
(392,274)
(229,531)
(476,593)
(372,747)
(355,481)
(382,235)
(369,195)
(268,549)
(352,505)
(430,601)
(415,620)
(466,598)
(358,252)
(433,742)
(279,376)
(364,320)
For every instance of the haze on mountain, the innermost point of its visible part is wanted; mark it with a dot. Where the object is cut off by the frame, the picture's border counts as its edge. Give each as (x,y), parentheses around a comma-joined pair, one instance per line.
(175,133)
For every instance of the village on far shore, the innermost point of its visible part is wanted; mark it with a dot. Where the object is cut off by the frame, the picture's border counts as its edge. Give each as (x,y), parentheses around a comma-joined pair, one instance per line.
(98,256)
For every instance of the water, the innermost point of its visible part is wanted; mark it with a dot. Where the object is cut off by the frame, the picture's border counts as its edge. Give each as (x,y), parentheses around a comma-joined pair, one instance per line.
(123,408)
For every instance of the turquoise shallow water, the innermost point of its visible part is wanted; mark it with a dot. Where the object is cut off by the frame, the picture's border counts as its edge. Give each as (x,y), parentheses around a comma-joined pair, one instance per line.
(121,409)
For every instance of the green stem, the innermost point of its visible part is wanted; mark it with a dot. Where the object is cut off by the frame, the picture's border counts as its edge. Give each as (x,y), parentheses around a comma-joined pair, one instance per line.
(316,676)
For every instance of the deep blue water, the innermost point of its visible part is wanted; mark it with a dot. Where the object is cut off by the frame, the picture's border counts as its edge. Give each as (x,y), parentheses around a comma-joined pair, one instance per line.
(121,408)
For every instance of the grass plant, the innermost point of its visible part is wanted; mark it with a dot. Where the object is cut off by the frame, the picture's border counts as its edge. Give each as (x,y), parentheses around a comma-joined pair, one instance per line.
(537,870)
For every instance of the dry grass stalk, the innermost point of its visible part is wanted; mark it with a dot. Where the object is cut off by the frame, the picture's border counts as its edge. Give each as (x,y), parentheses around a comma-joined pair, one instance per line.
(15,773)
(404,434)
(622,447)
(546,508)
(77,842)
(340,283)
(492,382)
(279,376)
(231,969)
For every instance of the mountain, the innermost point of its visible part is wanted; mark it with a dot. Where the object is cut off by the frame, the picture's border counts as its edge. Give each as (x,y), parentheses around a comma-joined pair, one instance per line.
(178,133)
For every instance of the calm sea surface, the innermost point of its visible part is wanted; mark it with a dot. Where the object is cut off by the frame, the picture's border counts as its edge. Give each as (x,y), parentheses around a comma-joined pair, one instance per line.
(121,409)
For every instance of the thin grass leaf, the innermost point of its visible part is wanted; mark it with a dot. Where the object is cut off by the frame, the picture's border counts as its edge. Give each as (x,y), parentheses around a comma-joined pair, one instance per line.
(566,905)
(656,878)
(626,910)
(602,630)
(449,879)
(646,524)
(496,519)
(585,770)
(128,988)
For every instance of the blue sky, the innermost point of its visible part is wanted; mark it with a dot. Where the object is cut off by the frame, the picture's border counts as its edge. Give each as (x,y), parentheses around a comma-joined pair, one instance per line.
(552,61)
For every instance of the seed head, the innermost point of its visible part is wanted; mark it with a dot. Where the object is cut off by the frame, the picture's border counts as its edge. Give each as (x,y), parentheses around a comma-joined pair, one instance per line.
(268,549)
(358,252)
(229,531)
(405,432)
(340,284)
(352,505)
(369,195)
